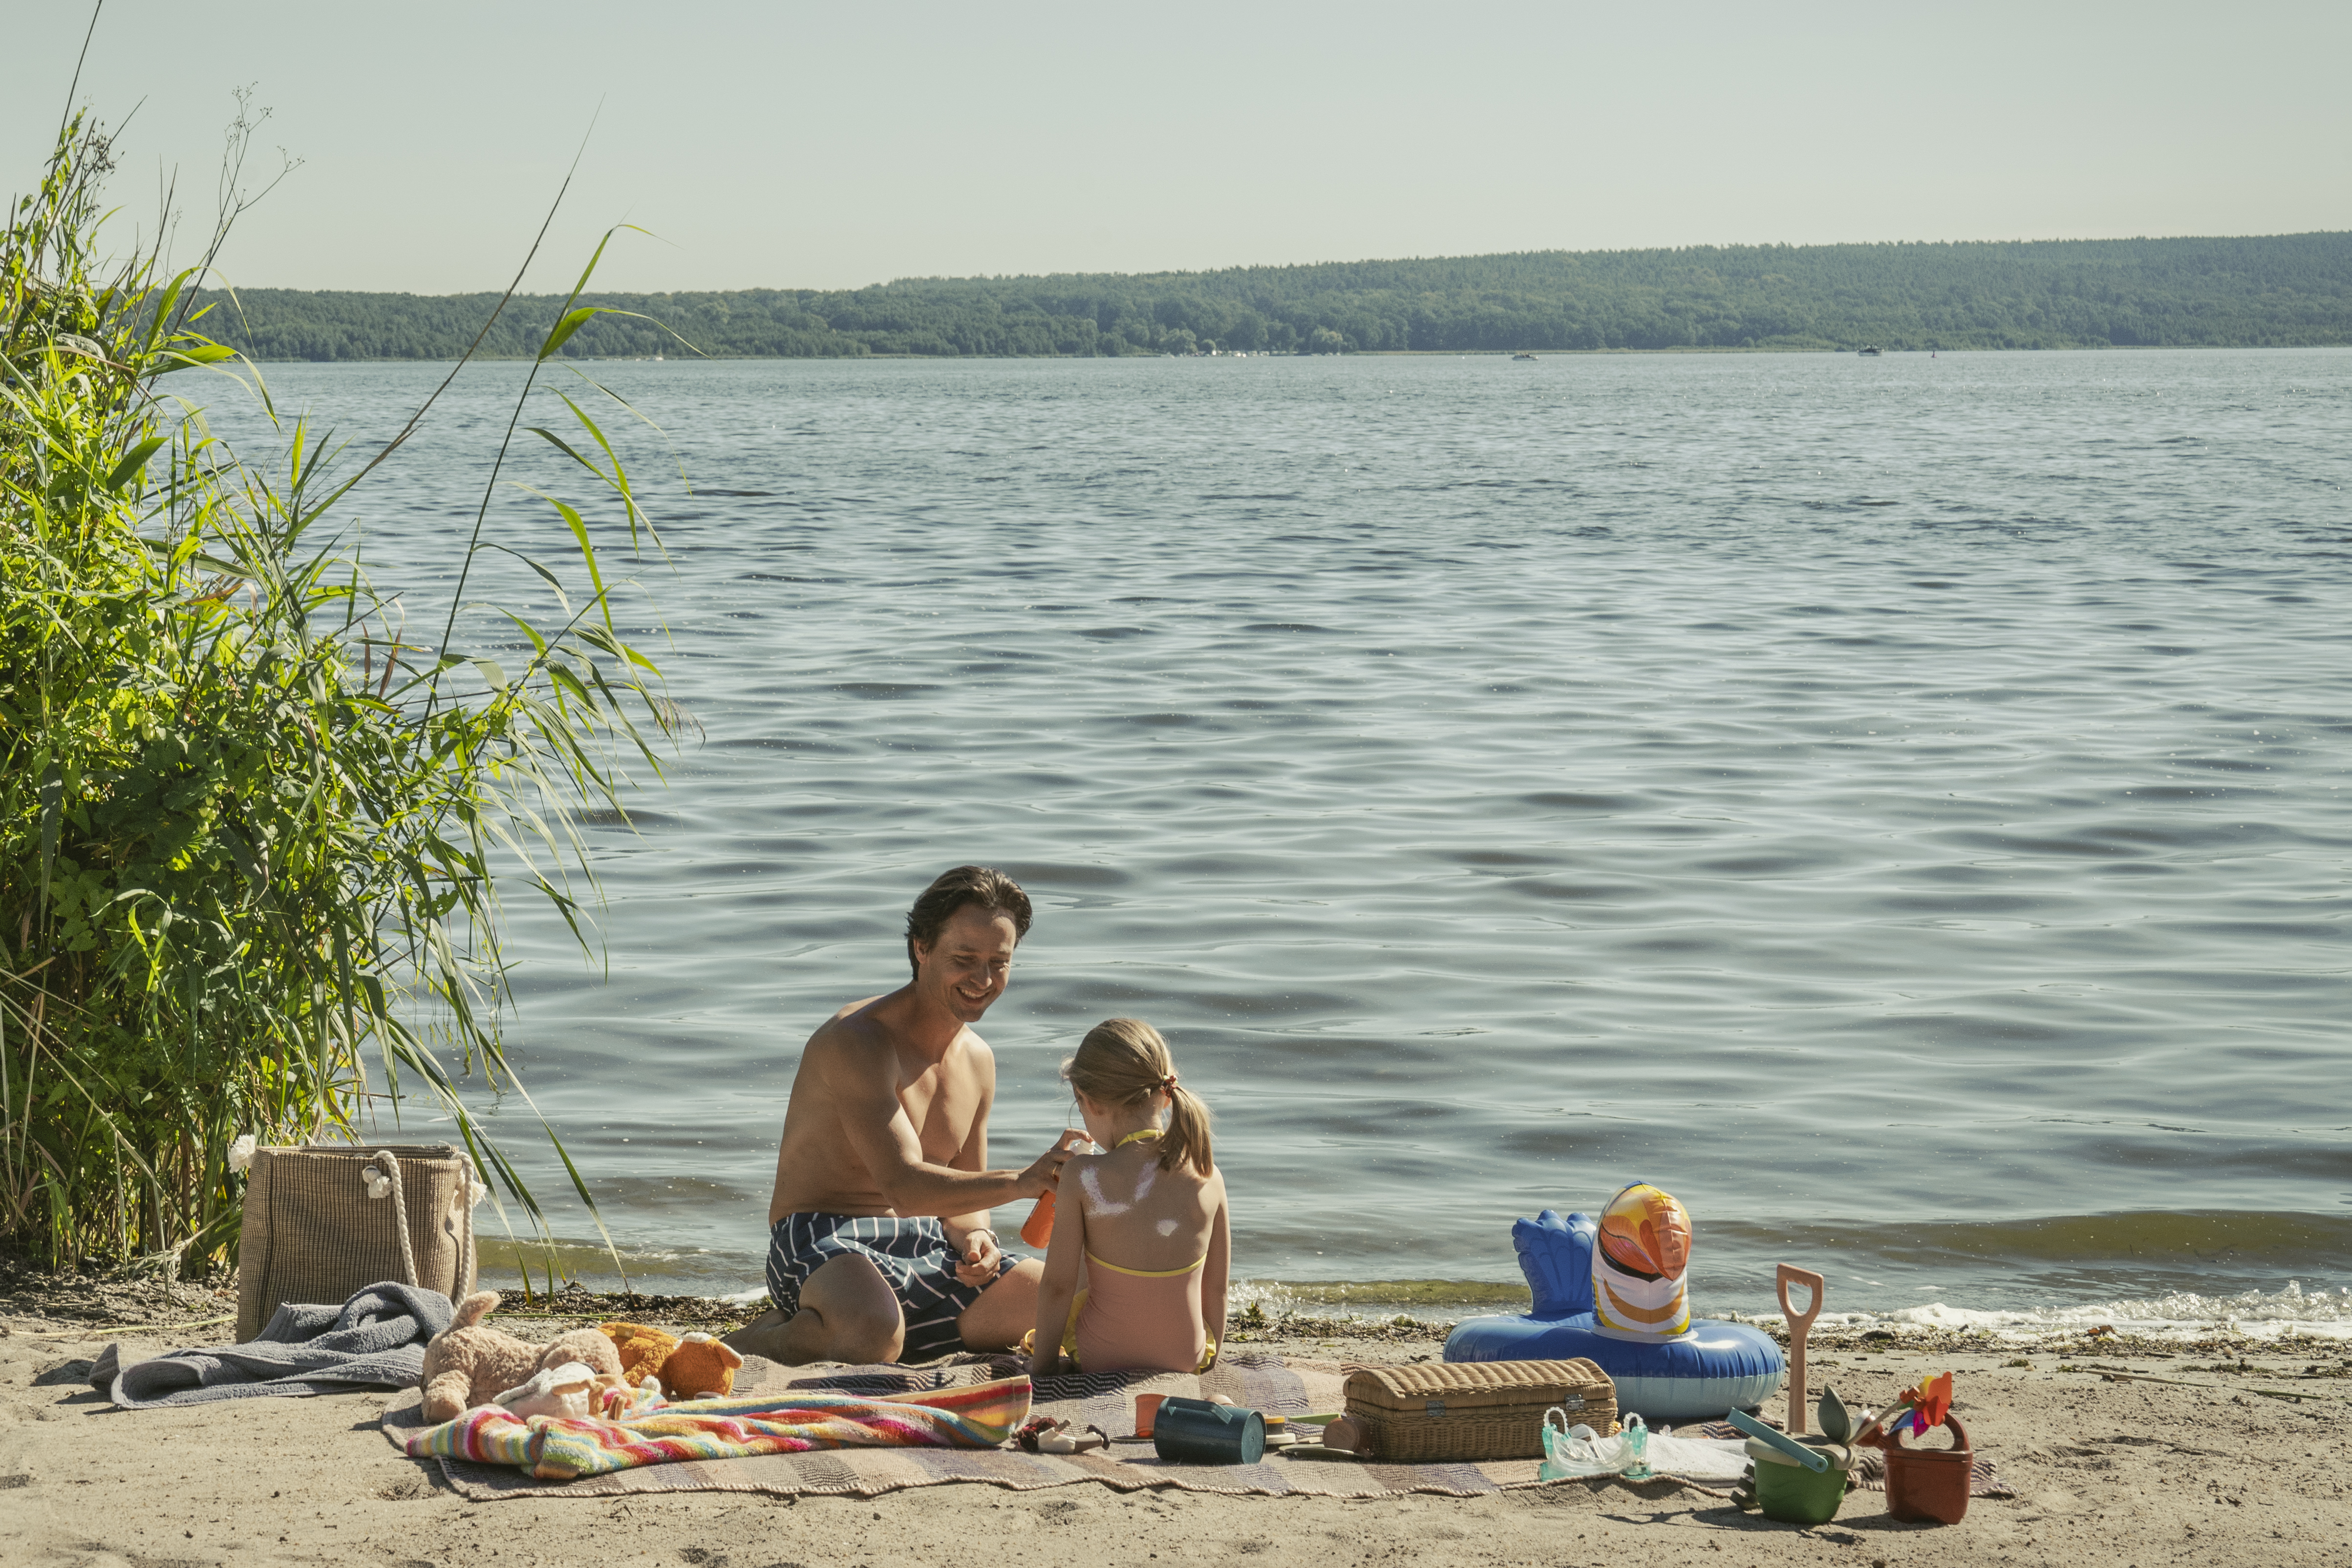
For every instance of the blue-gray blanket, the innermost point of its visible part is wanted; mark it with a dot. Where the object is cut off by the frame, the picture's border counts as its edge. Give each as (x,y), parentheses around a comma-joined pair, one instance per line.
(376,1340)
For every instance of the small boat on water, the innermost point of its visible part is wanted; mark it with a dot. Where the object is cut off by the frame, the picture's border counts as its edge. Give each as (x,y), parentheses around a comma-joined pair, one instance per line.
(1869,350)
(1523,356)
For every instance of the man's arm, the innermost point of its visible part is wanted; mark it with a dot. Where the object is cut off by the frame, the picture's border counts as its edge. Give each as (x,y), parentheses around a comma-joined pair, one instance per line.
(864,1087)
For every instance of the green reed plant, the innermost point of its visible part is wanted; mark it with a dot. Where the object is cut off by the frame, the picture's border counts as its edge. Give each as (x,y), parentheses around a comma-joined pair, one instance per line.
(253,840)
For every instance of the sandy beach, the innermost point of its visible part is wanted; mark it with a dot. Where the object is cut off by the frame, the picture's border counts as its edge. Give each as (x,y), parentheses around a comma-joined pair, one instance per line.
(2109,1471)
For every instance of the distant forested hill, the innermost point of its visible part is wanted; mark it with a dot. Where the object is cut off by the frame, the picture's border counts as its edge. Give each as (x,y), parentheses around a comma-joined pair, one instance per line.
(2275,291)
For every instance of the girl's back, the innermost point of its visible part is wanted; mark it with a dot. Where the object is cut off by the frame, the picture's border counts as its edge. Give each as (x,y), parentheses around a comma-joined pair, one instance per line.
(1140,1215)
(1146,1229)
(1149,1239)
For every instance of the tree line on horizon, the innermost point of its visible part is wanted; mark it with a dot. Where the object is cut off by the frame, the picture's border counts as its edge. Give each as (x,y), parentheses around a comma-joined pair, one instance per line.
(2278,290)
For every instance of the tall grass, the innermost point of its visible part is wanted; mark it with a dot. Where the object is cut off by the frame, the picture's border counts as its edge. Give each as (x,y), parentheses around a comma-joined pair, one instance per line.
(253,840)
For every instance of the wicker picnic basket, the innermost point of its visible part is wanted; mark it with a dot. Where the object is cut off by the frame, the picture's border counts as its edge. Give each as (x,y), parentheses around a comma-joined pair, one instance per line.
(323,1221)
(1463,1412)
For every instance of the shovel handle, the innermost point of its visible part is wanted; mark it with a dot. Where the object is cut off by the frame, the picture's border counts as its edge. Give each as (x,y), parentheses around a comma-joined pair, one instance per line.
(1788,1275)
(1800,1324)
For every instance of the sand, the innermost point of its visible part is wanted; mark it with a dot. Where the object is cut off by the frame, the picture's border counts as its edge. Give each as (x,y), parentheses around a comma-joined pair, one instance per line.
(2111,1472)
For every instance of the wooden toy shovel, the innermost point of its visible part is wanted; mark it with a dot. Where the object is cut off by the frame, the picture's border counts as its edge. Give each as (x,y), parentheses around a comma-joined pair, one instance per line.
(1799,1328)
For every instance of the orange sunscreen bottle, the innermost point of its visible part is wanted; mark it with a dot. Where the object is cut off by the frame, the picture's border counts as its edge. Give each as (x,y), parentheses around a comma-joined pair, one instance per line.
(1038,1230)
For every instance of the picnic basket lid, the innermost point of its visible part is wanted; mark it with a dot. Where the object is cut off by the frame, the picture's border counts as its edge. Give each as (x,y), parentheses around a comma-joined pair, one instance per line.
(1473,1386)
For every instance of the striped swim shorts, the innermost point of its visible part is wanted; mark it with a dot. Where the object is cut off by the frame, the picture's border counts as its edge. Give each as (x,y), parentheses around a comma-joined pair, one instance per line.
(913,1254)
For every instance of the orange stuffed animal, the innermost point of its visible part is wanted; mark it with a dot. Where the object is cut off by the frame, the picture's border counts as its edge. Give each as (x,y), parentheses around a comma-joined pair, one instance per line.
(693,1367)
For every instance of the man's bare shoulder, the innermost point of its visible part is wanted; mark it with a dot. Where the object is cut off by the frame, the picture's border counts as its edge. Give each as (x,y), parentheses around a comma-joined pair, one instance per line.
(852,1014)
(851,1033)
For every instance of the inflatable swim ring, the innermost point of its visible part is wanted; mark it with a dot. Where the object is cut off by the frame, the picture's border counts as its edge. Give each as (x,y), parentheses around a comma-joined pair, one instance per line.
(1699,1375)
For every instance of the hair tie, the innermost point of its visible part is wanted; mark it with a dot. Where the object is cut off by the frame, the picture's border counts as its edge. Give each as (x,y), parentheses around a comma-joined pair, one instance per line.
(1168,1083)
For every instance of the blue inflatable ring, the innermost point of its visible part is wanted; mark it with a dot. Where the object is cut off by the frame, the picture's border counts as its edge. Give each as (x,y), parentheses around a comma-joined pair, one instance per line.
(1714,1368)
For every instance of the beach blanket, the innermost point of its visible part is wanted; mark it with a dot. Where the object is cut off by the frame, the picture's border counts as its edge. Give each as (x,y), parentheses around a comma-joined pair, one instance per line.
(553,1448)
(1101,1399)
(376,1339)
(1260,1381)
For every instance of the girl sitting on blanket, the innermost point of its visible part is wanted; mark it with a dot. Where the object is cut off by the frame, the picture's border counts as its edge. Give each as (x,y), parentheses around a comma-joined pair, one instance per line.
(1148,1227)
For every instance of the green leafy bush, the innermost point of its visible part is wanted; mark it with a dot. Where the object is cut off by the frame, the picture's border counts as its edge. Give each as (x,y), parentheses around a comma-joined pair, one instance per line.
(252,840)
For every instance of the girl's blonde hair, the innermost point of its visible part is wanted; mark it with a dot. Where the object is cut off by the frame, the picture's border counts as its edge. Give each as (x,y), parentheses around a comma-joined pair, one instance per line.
(1122,1062)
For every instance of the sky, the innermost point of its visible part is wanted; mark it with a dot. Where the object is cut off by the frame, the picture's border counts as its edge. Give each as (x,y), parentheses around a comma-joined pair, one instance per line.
(789,145)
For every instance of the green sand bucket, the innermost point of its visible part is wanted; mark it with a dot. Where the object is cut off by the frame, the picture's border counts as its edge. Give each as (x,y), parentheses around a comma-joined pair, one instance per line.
(1792,1494)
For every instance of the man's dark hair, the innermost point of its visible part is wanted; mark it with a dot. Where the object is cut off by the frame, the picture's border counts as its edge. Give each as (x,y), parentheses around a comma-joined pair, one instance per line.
(992,890)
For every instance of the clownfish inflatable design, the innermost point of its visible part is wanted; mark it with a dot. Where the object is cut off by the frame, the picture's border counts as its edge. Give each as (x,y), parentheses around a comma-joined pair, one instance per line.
(1641,1264)
(1616,1293)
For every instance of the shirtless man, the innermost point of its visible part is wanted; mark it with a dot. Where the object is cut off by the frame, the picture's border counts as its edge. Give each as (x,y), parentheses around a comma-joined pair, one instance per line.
(879,1246)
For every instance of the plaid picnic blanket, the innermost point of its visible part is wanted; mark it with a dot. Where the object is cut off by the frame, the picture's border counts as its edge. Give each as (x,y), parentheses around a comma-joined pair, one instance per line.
(1260,1381)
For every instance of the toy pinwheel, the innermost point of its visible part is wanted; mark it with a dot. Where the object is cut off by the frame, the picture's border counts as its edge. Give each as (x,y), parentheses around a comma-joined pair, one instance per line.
(1924,1406)
(1929,1402)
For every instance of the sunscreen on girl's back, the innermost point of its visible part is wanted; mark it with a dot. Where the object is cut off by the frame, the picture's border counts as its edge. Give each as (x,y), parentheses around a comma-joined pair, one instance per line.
(1038,1230)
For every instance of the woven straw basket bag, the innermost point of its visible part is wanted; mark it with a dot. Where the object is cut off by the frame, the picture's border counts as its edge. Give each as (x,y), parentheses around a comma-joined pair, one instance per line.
(326,1220)
(1463,1412)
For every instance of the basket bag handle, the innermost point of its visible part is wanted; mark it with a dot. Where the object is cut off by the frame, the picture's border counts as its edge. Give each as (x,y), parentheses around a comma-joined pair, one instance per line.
(382,1176)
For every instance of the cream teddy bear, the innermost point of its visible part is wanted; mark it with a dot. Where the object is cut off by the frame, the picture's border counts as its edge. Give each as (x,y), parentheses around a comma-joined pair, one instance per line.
(469,1364)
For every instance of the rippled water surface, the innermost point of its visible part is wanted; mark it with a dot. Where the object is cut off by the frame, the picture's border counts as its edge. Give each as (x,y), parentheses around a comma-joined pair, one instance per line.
(1898,806)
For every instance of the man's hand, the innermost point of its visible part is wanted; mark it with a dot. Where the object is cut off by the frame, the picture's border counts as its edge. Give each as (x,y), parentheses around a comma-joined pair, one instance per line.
(982,1258)
(1045,1176)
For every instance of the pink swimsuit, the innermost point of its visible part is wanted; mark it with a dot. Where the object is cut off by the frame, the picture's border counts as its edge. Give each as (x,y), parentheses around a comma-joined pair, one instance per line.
(1129,1321)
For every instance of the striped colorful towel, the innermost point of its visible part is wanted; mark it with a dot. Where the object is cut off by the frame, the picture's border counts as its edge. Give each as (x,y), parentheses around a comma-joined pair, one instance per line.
(556,1448)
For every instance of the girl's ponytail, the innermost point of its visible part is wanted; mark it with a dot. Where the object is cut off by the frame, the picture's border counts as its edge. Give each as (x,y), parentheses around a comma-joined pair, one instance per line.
(1188,1132)
(1124,1062)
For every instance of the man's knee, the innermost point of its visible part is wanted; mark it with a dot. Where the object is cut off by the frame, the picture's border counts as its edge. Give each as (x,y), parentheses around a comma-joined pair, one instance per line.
(1021,1279)
(864,1336)
(857,1309)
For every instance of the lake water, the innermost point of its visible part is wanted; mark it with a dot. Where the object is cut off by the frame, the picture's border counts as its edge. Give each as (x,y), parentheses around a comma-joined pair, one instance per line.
(1898,806)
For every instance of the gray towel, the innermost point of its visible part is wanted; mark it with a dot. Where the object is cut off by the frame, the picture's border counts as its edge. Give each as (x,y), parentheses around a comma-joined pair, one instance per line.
(376,1339)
